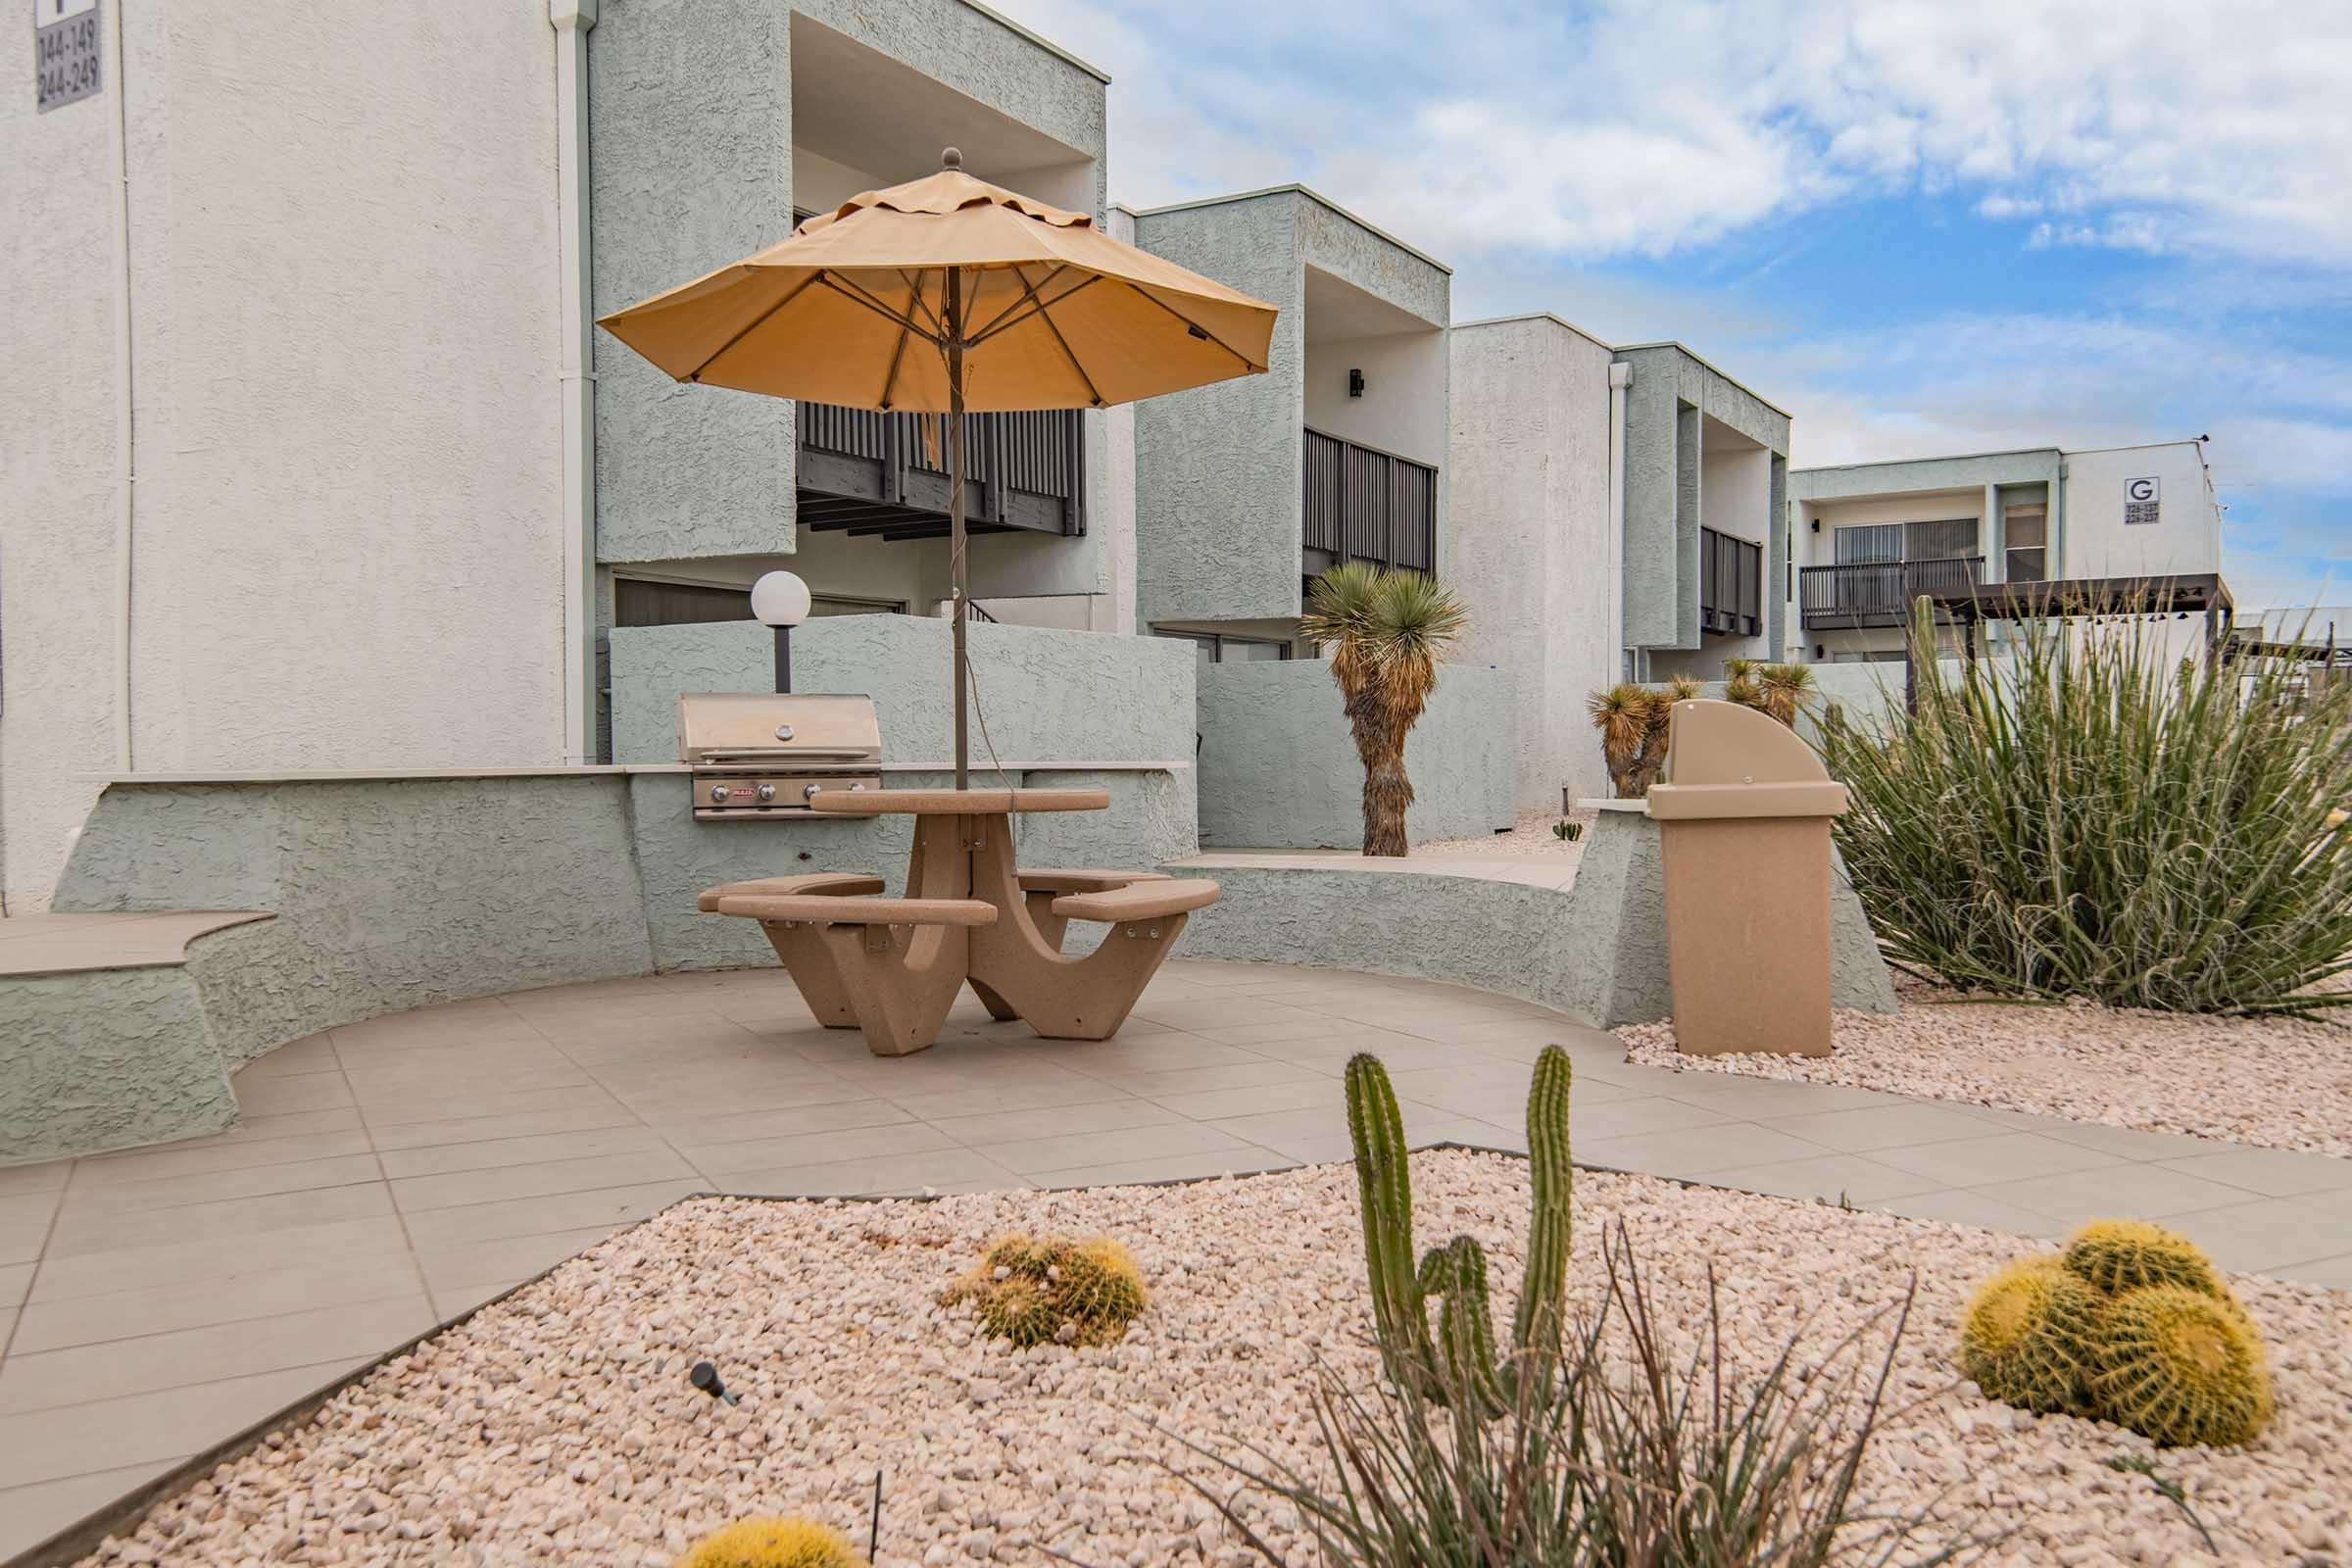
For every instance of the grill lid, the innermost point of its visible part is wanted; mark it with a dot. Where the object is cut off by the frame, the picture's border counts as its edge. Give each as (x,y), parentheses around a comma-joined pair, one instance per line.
(775,728)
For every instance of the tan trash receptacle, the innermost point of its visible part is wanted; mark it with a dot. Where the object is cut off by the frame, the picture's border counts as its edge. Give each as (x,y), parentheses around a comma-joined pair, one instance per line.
(1744,828)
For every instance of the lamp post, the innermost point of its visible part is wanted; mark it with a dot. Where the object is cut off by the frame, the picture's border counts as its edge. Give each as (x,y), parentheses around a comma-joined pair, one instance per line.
(781,599)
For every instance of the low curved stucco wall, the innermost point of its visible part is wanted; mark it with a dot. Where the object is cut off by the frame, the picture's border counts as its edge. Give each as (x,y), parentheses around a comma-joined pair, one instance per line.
(1279,770)
(1596,951)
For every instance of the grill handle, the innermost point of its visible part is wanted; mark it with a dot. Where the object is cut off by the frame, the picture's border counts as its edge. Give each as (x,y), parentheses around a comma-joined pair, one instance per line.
(765,757)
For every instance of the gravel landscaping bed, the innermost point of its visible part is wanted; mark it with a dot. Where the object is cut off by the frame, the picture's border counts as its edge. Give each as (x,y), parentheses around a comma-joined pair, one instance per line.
(558,1426)
(2279,1082)
(1530,835)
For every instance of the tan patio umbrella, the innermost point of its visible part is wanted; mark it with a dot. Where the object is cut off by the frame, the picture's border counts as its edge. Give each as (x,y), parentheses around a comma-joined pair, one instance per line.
(944,295)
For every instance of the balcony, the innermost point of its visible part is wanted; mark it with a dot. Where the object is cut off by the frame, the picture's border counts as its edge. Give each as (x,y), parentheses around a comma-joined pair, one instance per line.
(1731,585)
(1880,593)
(866,474)
(1362,503)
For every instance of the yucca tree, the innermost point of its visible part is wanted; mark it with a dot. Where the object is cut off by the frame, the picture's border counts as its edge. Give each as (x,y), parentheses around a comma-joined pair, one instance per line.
(1741,683)
(1633,722)
(1387,631)
(1787,690)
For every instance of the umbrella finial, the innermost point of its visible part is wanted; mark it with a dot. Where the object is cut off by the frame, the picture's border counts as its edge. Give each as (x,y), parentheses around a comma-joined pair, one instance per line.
(950,158)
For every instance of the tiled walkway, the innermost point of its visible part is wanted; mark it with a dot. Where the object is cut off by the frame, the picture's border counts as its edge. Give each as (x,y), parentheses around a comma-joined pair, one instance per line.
(394,1173)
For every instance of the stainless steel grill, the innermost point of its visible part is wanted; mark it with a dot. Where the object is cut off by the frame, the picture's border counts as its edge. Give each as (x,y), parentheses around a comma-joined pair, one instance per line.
(757,754)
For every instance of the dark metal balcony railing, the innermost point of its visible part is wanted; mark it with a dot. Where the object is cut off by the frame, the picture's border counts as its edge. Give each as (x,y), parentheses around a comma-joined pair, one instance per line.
(1361,504)
(1731,584)
(876,474)
(1880,592)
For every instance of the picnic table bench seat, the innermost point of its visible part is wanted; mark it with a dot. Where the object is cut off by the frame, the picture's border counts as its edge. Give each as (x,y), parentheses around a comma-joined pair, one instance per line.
(826,908)
(830,882)
(1137,901)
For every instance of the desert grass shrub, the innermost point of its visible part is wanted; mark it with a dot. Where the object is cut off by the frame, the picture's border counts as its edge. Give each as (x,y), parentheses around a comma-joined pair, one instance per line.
(1630,1453)
(2088,818)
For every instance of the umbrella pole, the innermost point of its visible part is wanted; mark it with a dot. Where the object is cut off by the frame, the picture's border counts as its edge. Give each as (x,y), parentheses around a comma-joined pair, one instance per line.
(954,335)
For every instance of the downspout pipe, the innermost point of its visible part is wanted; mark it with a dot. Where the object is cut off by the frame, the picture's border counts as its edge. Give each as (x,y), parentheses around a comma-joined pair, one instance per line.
(1621,376)
(571,20)
(126,465)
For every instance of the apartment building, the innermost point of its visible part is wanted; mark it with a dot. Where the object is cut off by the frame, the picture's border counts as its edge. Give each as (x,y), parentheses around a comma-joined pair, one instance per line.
(1872,537)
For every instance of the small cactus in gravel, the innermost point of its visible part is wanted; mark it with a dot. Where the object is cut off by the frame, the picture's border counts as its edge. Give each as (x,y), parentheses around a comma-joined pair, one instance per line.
(773,1544)
(1054,1292)
(2180,1366)
(2028,1337)
(2123,1255)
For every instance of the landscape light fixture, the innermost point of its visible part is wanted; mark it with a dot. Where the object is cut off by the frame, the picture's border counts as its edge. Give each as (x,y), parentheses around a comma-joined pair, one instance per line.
(781,599)
(704,1376)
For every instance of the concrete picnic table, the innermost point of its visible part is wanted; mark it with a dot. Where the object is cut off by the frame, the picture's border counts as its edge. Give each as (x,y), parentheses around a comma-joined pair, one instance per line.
(893,966)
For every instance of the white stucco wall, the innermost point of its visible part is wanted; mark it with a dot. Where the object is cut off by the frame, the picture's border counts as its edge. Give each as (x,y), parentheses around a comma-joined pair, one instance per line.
(2186,539)
(1528,547)
(1404,407)
(344,276)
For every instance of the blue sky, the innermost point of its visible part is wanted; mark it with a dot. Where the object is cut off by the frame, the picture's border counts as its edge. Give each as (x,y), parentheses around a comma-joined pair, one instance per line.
(1920,226)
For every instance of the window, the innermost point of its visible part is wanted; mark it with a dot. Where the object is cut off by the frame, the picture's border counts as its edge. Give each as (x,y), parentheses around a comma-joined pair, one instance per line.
(1214,648)
(840,605)
(2024,532)
(650,602)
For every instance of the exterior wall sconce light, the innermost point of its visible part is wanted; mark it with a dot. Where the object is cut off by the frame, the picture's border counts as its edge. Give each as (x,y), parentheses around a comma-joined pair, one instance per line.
(781,599)
(1816,526)
(1355,383)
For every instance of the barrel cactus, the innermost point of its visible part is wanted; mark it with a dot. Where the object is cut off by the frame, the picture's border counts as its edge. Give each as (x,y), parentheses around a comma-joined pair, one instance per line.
(1057,1291)
(2123,1255)
(2028,1339)
(2180,1366)
(1460,1359)
(773,1544)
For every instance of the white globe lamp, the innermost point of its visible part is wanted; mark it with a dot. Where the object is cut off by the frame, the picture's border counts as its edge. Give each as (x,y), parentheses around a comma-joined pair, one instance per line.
(781,599)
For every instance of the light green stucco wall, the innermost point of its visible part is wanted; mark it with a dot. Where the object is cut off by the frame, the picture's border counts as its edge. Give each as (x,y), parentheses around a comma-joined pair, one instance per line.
(1279,770)
(106,1060)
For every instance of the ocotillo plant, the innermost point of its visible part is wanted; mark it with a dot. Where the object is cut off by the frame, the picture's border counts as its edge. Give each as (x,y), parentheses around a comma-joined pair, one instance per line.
(1456,1272)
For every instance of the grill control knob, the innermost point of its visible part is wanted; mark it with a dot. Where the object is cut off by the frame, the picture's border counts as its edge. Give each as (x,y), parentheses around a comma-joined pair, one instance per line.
(765,792)
(809,791)
(718,794)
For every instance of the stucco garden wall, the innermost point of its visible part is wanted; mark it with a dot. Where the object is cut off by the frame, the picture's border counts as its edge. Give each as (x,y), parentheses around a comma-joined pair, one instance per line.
(1279,770)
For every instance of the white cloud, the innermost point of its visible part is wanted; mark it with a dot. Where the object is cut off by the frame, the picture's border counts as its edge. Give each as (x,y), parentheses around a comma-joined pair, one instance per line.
(1637,127)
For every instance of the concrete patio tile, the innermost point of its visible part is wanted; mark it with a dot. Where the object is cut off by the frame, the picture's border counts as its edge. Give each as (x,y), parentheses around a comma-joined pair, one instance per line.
(276,1097)
(181,1261)
(432,1027)
(587,1111)
(481,1269)
(1204,1166)
(1239,1074)
(1753,1098)
(1589,1119)
(25,1225)
(1311,1140)
(85,1197)
(981,1100)
(312,1053)
(1036,1156)
(417,1193)
(189,1305)
(2001,1157)
(654,1036)
(18,1180)
(30,1515)
(2272,1173)
(1398,1052)
(2129,1143)
(530,1149)
(1962,1207)
(690,1134)
(1692,1151)
(1054,1121)
(438,1228)
(2131,1191)
(1829,1178)
(1159,1053)
(1212,1104)
(2268,1234)
(289,1124)
(145,1427)
(15,1280)
(936,1168)
(665,1101)
(1211,1012)
(1869,1127)
(499,1068)
(2336,1273)
(1213,971)
(1511,1027)
(206,1157)
(45,1380)
(721,1162)
(1313,1027)
(114,1230)
(1493,1091)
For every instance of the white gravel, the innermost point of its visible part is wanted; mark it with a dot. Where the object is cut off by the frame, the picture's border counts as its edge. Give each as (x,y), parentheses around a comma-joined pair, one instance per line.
(558,1426)
(1530,835)
(2279,1082)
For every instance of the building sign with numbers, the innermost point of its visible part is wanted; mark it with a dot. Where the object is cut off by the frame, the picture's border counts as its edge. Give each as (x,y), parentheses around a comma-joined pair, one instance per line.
(65,52)
(2140,502)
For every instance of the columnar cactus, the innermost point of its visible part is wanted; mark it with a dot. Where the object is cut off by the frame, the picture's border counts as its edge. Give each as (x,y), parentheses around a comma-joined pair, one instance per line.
(773,1544)
(1462,1355)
